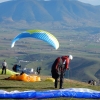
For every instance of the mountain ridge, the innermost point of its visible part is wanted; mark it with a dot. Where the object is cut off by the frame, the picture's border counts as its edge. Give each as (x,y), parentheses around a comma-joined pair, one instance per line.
(48,11)
(61,17)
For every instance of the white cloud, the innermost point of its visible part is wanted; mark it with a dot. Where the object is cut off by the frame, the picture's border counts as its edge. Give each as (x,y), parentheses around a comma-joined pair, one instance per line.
(93,2)
(3,1)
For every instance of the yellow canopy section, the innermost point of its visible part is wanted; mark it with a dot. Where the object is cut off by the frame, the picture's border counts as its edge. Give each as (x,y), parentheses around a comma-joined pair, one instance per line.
(50,80)
(9,72)
(25,77)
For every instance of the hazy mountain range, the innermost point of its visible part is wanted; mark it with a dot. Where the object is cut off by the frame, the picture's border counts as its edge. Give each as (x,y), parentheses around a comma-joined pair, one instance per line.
(48,11)
(71,14)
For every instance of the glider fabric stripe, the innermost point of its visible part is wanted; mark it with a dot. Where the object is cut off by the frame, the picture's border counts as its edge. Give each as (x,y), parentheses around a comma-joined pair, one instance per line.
(66,93)
(39,34)
(20,36)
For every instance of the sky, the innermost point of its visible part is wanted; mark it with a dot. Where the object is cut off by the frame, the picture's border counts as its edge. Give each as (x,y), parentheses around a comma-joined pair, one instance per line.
(93,2)
(3,0)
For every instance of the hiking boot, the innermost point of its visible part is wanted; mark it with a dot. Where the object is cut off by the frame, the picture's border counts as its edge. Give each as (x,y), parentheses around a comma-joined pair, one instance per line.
(61,88)
(55,87)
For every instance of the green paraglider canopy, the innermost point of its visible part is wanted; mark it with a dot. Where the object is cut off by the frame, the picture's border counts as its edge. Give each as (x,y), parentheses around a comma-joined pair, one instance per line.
(39,34)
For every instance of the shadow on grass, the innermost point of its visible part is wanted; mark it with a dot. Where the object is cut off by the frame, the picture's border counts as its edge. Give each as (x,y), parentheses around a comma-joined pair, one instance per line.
(48,88)
(44,88)
(10,87)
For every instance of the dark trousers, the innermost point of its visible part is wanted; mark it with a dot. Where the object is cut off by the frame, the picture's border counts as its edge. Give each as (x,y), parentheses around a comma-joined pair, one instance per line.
(38,72)
(61,81)
(4,69)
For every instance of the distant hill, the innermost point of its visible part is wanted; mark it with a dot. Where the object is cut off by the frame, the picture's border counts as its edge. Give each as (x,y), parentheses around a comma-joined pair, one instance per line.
(80,68)
(63,17)
(48,11)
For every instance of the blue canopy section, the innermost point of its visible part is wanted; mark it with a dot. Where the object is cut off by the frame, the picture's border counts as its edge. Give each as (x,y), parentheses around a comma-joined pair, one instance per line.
(66,93)
(38,34)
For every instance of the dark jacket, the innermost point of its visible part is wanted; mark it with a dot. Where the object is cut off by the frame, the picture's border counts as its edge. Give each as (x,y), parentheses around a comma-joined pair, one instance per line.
(59,66)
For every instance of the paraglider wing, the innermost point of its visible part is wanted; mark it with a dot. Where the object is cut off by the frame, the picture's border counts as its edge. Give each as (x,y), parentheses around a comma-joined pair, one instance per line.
(66,93)
(39,34)
(20,36)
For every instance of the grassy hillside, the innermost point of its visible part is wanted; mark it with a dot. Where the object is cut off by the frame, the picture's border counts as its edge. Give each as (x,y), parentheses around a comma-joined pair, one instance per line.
(83,47)
(76,35)
(83,67)
(11,85)
(80,68)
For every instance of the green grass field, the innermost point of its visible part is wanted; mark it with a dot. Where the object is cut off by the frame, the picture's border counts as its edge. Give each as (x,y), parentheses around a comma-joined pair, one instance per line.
(11,85)
(79,44)
(84,48)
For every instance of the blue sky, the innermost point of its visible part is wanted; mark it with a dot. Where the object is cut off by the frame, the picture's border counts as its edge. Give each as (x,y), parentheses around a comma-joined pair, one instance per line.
(2,1)
(93,2)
